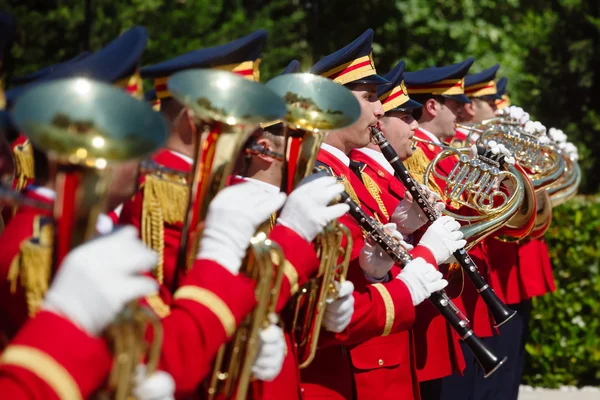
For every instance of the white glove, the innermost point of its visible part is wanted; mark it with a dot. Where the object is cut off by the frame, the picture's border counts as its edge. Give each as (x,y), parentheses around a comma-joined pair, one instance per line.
(307,209)
(515,112)
(422,279)
(338,312)
(539,128)
(158,386)
(496,149)
(271,353)
(97,279)
(557,135)
(571,150)
(543,139)
(233,217)
(443,238)
(409,217)
(375,262)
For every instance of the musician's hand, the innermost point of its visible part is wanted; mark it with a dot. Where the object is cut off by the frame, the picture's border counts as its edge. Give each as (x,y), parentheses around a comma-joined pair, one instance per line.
(307,209)
(557,135)
(233,218)
(375,262)
(500,152)
(443,238)
(338,313)
(422,279)
(271,353)
(409,217)
(158,386)
(97,279)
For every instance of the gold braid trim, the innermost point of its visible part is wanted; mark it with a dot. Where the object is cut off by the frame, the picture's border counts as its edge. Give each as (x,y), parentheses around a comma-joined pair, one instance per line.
(417,165)
(32,266)
(390,311)
(374,190)
(24,168)
(45,367)
(349,189)
(158,305)
(165,201)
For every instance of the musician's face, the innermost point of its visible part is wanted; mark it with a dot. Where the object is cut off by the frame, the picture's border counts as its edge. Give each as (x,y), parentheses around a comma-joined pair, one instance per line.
(483,109)
(399,128)
(359,134)
(447,116)
(123,184)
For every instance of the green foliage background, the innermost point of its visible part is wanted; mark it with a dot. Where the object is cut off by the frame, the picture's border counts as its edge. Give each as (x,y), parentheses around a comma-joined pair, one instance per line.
(564,347)
(549,50)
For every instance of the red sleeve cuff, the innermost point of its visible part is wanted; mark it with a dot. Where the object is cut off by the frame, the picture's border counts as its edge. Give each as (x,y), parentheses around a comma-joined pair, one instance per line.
(424,253)
(85,359)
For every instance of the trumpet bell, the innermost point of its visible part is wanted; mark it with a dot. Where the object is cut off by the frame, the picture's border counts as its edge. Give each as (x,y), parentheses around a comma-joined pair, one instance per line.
(215,95)
(315,103)
(88,123)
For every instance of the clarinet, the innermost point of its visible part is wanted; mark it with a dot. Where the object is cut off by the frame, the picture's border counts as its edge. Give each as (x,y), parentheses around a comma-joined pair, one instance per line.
(440,300)
(499,311)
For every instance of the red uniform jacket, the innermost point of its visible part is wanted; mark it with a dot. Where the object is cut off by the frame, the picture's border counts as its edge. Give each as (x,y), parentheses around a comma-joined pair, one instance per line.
(202,314)
(536,269)
(375,357)
(13,305)
(469,301)
(50,358)
(166,193)
(436,345)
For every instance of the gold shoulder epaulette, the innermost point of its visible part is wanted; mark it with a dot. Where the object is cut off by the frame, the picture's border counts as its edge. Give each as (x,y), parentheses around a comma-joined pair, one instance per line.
(375,191)
(32,266)
(24,166)
(165,202)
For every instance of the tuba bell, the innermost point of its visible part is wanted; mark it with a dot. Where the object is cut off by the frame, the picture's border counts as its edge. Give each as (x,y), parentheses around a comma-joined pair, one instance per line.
(93,128)
(315,106)
(228,108)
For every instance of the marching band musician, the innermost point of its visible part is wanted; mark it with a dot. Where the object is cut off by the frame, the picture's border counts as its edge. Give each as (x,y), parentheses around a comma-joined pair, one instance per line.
(378,359)
(263,166)
(28,238)
(441,91)
(504,100)
(530,275)
(481,90)
(436,346)
(198,309)
(71,360)
(158,203)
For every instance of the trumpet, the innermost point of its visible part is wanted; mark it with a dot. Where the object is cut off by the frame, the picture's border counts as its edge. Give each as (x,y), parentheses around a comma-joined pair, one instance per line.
(84,135)
(214,97)
(315,105)
(440,300)
(480,181)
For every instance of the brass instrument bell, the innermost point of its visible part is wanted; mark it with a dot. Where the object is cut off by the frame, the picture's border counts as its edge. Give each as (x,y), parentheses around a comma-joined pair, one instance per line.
(315,106)
(231,108)
(87,127)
